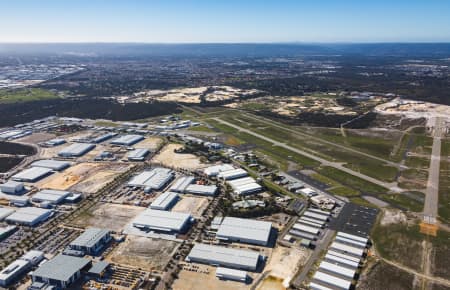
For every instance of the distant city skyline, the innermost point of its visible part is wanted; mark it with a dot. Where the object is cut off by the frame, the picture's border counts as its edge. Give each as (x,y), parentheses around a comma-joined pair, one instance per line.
(232,21)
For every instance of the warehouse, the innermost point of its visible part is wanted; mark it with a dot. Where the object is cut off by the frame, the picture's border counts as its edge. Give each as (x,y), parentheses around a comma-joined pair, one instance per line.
(353,237)
(181,183)
(76,150)
(356,252)
(209,190)
(315,286)
(54,142)
(61,271)
(154,179)
(213,171)
(306,229)
(350,242)
(12,187)
(163,221)
(138,154)
(315,216)
(319,211)
(29,216)
(127,140)
(342,261)
(50,195)
(244,231)
(244,186)
(302,235)
(308,223)
(103,137)
(91,241)
(165,201)
(332,281)
(13,272)
(32,174)
(232,174)
(335,269)
(231,274)
(225,257)
(34,257)
(5,212)
(344,256)
(51,164)
(307,219)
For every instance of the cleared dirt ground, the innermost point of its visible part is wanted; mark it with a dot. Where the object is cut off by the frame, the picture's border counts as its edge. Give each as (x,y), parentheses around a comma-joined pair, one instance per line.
(69,177)
(192,205)
(284,261)
(190,280)
(168,157)
(142,252)
(110,216)
(98,179)
(150,143)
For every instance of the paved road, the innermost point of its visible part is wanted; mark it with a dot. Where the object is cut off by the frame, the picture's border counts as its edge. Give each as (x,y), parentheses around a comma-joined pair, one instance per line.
(430,210)
(337,165)
(272,123)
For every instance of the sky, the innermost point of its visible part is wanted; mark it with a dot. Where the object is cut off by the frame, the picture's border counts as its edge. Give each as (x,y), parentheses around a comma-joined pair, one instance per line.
(224,21)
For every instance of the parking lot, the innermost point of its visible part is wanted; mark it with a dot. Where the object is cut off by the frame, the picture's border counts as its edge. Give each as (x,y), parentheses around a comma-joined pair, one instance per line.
(355,219)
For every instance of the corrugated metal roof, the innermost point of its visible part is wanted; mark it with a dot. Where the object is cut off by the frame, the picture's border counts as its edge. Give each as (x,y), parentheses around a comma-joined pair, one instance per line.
(12,269)
(54,196)
(227,272)
(28,215)
(353,237)
(98,267)
(239,228)
(232,174)
(201,189)
(216,169)
(61,267)
(330,267)
(181,183)
(90,237)
(164,200)
(162,220)
(76,149)
(31,174)
(332,280)
(4,212)
(51,164)
(127,140)
(347,249)
(138,153)
(155,178)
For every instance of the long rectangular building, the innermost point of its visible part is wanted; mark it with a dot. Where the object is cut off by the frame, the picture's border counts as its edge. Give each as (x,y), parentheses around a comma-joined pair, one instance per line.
(138,154)
(165,201)
(357,252)
(76,150)
(244,231)
(339,270)
(315,216)
(32,174)
(333,281)
(91,241)
(163,221)
(154,179)
(306,229)
(341,261)
(56,165)
(127,140)
(244,186)
(50,195)
(29,216)
(213,171)
(231,274)
(225,257)
(232,174)
(182,183)
(208,190)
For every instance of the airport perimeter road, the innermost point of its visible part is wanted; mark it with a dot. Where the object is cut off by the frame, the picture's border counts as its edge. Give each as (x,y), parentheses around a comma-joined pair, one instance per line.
(430,209)
(343,147)
(337,165)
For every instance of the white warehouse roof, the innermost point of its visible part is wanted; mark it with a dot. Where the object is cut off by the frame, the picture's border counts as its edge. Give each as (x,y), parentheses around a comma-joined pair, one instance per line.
(357,252)
(209,190)
(332,280)
(31,174)
(127,140)
(166,221)
(4,212)
(216,169)
(138,154)
(232,274)
(164,201)
(50,195)
(181,183)
(154,179)
(333,268)
(244,230)
(29,215)
(226,257)
(232,174)
(353,237)
(89,238)
(306,229)
(76,150)
(51,164)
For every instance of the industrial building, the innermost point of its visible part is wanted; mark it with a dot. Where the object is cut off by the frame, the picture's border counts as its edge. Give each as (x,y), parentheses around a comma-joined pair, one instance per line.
(209,190)
(91,241)
(231,274)
(104,137)
(316,216)
(154,179)
(350,242)
(346,249)
(32,174)
(56,165)
(225,257)
(342,261)
(163,221)
(213,171)
(12,187)
(61,271)
(302,235)
(245,186)
(54,142)
(29,216)
(331,281)
(5,212)
(76,150)
(138,154)
(51,196)
(338,270)
(311,220)
(127,140)
(181,183)
(244,231)
(14,271)
(353,237)
(306,229)
(232,174)
(165,201)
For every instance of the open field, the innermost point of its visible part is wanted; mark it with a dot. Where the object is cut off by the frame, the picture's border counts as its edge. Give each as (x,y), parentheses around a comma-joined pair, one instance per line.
(403,201)
(191,204)
(69,177)
(150,143)
(25,95)
(380,275)
(189,280)
(285,262)
(145,253)
(444,182)
(109,216)
(100,178)
(167,157)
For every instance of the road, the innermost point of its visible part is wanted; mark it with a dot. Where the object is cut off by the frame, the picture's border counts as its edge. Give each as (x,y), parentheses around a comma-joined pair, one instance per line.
(430,210)
(337,165)
(343,147)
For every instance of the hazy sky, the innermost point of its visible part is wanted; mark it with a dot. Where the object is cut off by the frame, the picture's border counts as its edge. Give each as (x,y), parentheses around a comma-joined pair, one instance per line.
(224,20)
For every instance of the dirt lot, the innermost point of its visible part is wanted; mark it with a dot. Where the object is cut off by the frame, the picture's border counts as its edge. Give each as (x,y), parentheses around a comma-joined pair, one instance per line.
(101,177)
(190,280)
(169,158)
(192,205)
(146,253)
(284,261)
(110,216)
(37,138)
(150,143)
